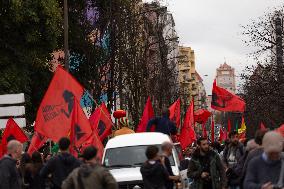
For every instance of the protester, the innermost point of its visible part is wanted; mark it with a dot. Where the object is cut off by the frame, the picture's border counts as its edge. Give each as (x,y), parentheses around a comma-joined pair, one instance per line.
(153,172)
(25,178)
(9,175)
(167,150)
(254,152)
(60,166)
(187,156)
(123,128)
(216,146)
(206,168)
(90,174)
(163,124)
(266,171)
(231,156)
(32,171)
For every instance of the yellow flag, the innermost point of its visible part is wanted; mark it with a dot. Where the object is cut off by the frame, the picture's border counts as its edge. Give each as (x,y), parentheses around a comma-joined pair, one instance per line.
(243,126)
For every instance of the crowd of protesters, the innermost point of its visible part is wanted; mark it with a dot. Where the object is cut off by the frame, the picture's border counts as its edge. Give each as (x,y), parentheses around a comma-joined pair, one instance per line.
(20,171)
(254,164)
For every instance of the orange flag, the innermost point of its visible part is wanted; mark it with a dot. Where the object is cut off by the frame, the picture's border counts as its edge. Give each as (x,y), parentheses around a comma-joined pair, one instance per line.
(148,113)
(54,114)
(187,134)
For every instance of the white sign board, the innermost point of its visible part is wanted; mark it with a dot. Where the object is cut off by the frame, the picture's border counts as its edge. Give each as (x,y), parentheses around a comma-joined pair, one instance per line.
(20,121)
(12,111)
(12,98)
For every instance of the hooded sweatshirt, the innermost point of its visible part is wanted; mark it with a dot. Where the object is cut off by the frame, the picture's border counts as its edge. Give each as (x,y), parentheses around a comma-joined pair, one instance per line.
(154,175)
(88,177)
(60,167)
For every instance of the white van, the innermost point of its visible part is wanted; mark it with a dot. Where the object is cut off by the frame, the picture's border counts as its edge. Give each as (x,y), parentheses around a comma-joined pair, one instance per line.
(125,154)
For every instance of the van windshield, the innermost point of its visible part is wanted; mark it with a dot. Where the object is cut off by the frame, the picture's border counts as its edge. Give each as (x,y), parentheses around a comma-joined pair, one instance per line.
(131,156)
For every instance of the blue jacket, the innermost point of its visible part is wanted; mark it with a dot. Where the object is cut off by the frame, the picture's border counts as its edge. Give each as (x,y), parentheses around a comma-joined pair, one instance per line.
(163,125)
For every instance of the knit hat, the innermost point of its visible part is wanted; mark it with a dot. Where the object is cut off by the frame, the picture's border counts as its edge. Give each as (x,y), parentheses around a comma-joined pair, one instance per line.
(272,142)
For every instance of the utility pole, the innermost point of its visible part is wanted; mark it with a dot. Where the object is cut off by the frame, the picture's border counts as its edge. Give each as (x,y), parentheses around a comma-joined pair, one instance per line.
(66,48)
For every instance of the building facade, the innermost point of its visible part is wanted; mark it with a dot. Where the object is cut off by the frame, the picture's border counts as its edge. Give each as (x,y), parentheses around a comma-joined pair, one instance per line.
(225,77)
(200,99)
(187,75)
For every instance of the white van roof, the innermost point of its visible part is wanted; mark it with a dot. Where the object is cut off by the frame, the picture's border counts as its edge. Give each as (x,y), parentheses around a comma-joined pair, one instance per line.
(137,139)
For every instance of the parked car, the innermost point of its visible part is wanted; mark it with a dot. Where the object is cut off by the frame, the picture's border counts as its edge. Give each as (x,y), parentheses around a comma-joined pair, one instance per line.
(125,154)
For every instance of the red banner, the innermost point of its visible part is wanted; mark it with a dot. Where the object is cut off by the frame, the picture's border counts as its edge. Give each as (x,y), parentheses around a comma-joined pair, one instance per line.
(36,143)
(80,126)
(148,114)
(12,132)
(101,121)
(54,114)
(225,101)
(187,134)
(175,113)
(201,116)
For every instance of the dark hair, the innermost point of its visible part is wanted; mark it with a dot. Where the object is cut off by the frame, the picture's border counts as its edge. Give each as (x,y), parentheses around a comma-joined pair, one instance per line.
(166,112)
(233,133)
(36,157)
(200,139)
(151,151)
(64,143)
(259,134)
(26,158)
(90,152)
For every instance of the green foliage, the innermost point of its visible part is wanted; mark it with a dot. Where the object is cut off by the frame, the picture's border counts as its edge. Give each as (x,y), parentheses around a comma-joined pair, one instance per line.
(29,33)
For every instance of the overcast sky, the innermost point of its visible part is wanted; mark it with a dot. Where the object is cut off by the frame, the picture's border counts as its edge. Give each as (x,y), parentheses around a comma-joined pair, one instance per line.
(212,29)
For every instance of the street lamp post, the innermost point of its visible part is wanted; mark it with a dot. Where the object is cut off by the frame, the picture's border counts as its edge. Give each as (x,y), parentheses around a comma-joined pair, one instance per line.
(66,48)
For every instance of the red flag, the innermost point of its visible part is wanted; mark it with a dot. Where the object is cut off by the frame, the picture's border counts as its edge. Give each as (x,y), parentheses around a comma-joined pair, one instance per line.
(229,126)
(12,132)
(201,116)
(175,112)
(94,140)
(225,134)
(225,101)
(280,130)
(262,127)
(36,143)
(148,113)
(187,134)
(80,126)
(212,130)
(222,136)
(101,121)
(204,132)
(54,114)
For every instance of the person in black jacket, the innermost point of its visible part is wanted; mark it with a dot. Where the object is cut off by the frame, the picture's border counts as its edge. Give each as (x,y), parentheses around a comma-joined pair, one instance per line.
(9,175)
(153,171)
(162,124)
(167,149)
(61,165)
